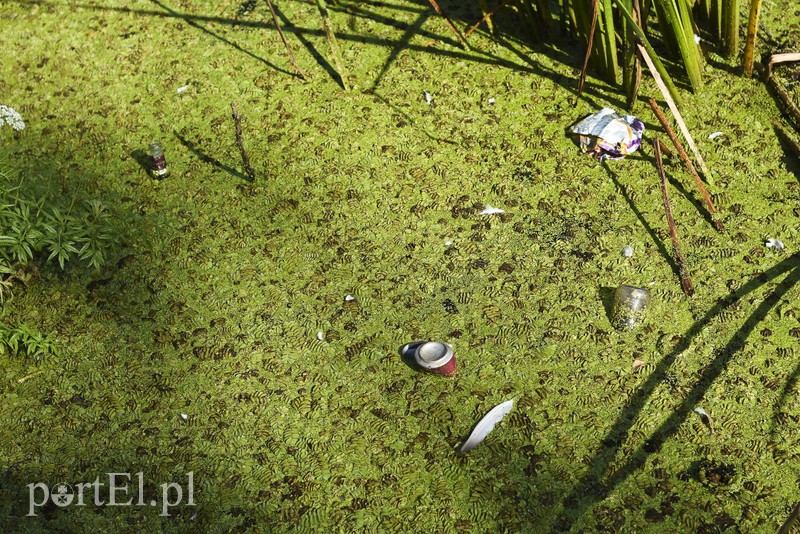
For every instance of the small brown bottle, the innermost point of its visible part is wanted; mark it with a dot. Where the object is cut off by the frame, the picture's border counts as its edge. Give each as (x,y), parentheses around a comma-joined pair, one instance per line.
(158,164)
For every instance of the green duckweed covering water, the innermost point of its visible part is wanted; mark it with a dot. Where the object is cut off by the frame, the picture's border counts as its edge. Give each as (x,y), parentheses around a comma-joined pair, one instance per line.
(197,349)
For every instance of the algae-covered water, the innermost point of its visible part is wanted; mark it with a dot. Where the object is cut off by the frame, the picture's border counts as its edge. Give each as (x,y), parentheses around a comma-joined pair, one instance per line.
(221,341)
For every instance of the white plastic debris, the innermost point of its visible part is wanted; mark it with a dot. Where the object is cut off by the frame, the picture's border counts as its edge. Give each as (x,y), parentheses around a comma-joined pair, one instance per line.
(184,416)
(715,135)
(491,100)
(777,244)
(489,210)
(428,97)
(182,89)
(696,38)
(448,243)
(321,335)
(349,298)
(607,134)
(627,251)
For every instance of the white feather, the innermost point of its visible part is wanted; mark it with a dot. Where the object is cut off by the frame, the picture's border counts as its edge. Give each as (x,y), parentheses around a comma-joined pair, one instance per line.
(428,97)
(490,210)
(486,425)
(715,135)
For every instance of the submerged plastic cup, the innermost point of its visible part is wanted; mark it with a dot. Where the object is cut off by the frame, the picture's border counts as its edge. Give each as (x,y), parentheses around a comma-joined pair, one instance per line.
(436,358)
(630,307)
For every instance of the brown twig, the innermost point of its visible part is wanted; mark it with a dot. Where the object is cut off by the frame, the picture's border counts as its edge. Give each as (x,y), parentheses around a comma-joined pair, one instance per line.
(780,58)
(449,23)
(245,160)
(789,138)
(486,17)
(285,42)
(785,99)
(582,79)
(689,166)
(787,526)
(683,271)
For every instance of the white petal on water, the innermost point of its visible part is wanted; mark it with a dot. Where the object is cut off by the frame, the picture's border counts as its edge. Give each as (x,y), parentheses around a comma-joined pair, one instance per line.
(349,298)
(486,425)
(321,335)
(777,244)
(715,135)
(489,210)
(184,416)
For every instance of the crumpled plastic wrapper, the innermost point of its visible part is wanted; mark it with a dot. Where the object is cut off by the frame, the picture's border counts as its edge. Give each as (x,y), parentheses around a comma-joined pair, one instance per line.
(608,135)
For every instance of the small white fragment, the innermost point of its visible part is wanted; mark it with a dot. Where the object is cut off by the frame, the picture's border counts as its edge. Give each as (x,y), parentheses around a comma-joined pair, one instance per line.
(696,38)
(777,244)
(349,298)
(184,416)
(652,283)
(182,89)
(321,335)
(489,210)
(715,135)
(627,251)
(491,100)
(194,516)
(700,411)
(448,243)
(428,97)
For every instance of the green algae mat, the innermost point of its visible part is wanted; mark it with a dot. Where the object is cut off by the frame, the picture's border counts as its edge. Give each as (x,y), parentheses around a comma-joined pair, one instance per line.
(236,366)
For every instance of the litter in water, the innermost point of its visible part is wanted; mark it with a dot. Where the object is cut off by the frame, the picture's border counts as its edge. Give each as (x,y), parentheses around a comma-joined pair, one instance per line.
(607,134)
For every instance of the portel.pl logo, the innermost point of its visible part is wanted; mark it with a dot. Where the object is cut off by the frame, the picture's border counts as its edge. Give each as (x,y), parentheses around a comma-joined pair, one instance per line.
(63,495)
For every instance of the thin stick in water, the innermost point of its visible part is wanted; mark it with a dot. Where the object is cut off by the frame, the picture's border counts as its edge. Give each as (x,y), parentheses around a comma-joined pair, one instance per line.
(331,36)
(245,160)
(285,42)
(789,138)
(785,99)
(677,114)
(683,271)
(780,58)
(689,166)
(582,79)
(487,18)
(449,23)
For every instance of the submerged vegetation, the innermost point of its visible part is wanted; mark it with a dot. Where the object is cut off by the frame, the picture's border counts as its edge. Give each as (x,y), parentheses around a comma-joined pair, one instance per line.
(247,331)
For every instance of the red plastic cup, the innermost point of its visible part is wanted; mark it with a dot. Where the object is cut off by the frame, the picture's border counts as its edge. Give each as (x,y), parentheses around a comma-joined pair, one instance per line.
(437,358)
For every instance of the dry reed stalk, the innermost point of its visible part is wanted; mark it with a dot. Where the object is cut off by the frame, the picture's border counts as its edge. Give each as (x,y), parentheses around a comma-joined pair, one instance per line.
(677,114)
(789,138)
(689,166)
(331,36)
(286,43)
(449,23)
(582,79)
(780,58)
(786,100)
(245,160)
(750,45)
(787,526)
(683,271)
(487,18)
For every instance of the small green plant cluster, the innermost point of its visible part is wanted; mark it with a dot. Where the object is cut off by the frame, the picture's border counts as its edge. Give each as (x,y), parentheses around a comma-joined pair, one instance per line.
(25,340)
(38,226)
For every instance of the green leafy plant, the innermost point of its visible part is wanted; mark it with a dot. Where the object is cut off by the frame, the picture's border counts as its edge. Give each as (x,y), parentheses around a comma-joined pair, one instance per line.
(27,341)
(34,225)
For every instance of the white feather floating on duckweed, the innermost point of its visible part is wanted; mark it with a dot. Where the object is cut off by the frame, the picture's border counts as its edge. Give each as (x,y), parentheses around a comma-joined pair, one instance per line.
(428,97)
(715,135)
(777,244)
(489,210)
(486,425)
(182,89)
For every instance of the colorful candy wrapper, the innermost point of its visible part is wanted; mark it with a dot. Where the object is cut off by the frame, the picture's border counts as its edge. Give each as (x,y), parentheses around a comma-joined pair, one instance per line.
(607,134)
